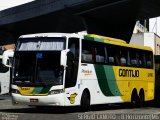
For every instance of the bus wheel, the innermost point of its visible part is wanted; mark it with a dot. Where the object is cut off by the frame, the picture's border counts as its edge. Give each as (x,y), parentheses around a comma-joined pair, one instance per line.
(135,100)
(142,98)
(85,101)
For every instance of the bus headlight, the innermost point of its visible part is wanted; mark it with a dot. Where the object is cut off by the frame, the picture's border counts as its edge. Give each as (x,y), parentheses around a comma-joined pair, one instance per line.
(58,91)
(15,91)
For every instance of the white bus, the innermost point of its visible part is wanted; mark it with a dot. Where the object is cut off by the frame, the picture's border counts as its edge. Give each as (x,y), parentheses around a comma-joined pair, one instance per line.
(5,68)
(57,69)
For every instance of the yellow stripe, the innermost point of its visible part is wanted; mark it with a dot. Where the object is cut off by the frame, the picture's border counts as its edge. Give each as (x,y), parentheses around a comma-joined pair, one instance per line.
(126,82)
(119,42)
(25,90)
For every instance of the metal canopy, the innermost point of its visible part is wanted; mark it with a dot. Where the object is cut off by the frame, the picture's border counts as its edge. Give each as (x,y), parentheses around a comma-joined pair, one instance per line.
(113,18)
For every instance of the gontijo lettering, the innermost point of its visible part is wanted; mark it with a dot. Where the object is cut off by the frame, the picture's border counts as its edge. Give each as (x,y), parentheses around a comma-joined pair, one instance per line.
(128,73)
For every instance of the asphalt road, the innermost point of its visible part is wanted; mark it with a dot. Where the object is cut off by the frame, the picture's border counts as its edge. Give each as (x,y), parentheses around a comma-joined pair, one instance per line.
(100,112)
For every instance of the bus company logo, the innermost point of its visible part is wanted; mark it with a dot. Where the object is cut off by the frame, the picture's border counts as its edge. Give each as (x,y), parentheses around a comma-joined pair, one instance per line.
(128,73)
(72,98)
(87,72)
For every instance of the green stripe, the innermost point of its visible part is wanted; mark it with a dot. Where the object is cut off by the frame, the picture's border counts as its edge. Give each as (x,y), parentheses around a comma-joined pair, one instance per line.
(93,39)
(102,80)
(112,83)
(40,90)
(106,80)
(45,90)
(37,90)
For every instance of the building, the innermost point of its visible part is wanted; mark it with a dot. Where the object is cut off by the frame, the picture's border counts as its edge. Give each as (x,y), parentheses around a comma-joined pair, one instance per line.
(147,39)
(8,46)
(141,26)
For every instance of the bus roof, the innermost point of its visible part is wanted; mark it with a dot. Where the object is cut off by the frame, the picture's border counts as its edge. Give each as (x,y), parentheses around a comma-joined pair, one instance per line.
(114,41)
(52,35)
(92,37)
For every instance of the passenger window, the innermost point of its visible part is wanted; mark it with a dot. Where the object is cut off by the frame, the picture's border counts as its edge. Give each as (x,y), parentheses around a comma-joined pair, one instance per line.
(113,55)
(106,55)
(123,57)
(74,47)
(117,56)
(123,61)
(149,61)
(133,58)
(100,54)
(87,52)
(134,62)
(141,59)
(111,60)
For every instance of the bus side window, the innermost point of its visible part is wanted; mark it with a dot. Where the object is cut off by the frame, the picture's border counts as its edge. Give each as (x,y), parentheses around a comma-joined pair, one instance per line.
(117,56)
(123,61)
(112,56)
(141,59)
(106,55)
(86,56)
(128,59)
(87,52)
(149,60)
(111,60)
(133,58)
(100,53)
(124,57)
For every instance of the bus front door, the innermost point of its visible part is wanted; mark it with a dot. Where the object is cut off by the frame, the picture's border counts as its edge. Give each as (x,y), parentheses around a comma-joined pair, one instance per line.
(72,72)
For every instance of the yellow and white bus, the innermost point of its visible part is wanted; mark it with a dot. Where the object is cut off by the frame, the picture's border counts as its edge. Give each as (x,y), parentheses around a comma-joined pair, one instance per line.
(58,69)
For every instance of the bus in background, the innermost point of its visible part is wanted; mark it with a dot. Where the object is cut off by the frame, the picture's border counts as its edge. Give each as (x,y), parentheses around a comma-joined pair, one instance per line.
(5,58)
(58,69)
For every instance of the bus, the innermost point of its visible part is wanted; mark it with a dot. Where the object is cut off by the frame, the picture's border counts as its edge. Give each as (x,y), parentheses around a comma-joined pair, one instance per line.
(60,69)
(5,70)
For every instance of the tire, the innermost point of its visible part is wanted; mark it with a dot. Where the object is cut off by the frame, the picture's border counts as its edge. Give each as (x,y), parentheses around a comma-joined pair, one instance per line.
(135,100)
(142,98)
(85,101)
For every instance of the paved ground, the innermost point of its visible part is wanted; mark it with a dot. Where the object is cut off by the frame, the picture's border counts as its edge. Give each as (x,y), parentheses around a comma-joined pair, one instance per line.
(112,112)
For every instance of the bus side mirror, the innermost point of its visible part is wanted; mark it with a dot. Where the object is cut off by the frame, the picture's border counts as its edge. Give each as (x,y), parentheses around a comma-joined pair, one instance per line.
(63,61)
(7,58)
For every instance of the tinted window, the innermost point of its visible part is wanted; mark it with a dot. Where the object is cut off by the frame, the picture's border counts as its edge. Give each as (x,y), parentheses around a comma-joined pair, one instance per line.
(87,51)
(100,53)
(72,63)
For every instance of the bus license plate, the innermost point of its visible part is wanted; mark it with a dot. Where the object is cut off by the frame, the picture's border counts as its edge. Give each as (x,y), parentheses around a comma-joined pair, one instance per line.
(33,100)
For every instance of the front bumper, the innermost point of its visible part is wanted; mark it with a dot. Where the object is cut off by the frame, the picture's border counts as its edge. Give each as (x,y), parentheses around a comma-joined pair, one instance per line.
(49,100)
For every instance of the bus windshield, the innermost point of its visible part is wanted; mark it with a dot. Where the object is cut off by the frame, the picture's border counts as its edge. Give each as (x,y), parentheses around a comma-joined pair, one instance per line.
(40,67)
(41,44)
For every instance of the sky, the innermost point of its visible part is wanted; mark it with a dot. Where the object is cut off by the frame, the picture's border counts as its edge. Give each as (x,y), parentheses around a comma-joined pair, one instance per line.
(154,25)
(5,4)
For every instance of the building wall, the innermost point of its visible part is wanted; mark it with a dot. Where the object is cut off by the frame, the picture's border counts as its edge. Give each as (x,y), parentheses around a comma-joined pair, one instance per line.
(147,39)
(157,43)
(137,39)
